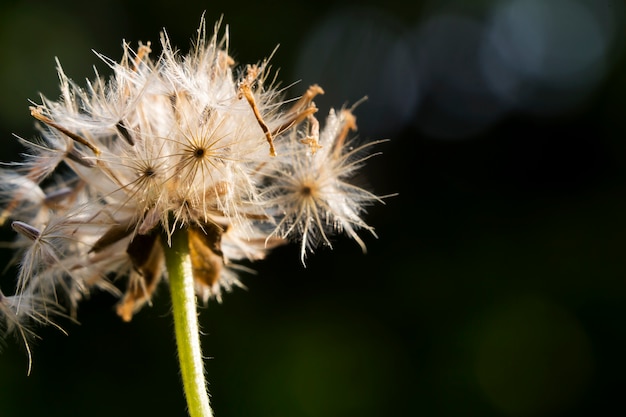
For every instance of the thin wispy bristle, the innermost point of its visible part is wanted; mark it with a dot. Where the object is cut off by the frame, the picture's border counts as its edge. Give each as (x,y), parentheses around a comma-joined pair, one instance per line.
(172,141)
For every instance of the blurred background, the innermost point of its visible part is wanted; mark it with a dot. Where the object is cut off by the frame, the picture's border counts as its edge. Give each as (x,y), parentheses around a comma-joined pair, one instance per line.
(497,286)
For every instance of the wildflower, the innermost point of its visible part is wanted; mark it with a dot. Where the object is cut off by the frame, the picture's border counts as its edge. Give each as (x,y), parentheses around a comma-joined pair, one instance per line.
(170,150)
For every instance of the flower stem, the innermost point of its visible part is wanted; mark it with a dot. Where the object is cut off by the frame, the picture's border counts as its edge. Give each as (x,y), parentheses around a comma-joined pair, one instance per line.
(178,263)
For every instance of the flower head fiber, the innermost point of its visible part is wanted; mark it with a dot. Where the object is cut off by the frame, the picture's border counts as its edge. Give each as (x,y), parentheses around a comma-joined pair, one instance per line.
(189,142)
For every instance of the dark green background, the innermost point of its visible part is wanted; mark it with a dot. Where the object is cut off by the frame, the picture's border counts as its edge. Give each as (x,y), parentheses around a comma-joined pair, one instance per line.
(497,286)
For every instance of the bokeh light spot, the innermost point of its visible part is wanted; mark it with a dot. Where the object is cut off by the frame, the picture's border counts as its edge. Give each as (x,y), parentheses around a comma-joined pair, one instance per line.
(533,357)
(357,53)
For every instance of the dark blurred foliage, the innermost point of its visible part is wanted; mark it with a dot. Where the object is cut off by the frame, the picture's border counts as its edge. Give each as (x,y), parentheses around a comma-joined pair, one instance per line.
(497,286)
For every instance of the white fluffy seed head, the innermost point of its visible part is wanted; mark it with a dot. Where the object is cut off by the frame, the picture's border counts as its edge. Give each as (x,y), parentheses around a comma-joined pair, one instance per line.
(178,141)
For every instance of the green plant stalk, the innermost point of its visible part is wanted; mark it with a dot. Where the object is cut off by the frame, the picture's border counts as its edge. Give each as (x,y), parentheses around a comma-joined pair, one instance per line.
(178,263)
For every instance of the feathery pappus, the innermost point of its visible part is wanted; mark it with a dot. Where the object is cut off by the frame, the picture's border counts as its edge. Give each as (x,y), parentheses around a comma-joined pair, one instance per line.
(190,142)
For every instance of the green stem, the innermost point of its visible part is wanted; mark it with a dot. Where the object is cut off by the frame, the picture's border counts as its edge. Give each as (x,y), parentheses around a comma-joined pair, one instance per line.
(186,327)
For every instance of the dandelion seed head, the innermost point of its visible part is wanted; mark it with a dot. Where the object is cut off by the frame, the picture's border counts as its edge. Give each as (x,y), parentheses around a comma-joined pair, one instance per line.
(174,142)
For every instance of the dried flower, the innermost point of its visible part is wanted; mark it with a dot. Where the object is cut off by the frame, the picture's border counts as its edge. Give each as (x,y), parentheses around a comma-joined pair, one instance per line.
(179,142)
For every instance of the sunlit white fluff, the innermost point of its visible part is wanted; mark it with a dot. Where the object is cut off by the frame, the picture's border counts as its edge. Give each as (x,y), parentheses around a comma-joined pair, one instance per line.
(190,142)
